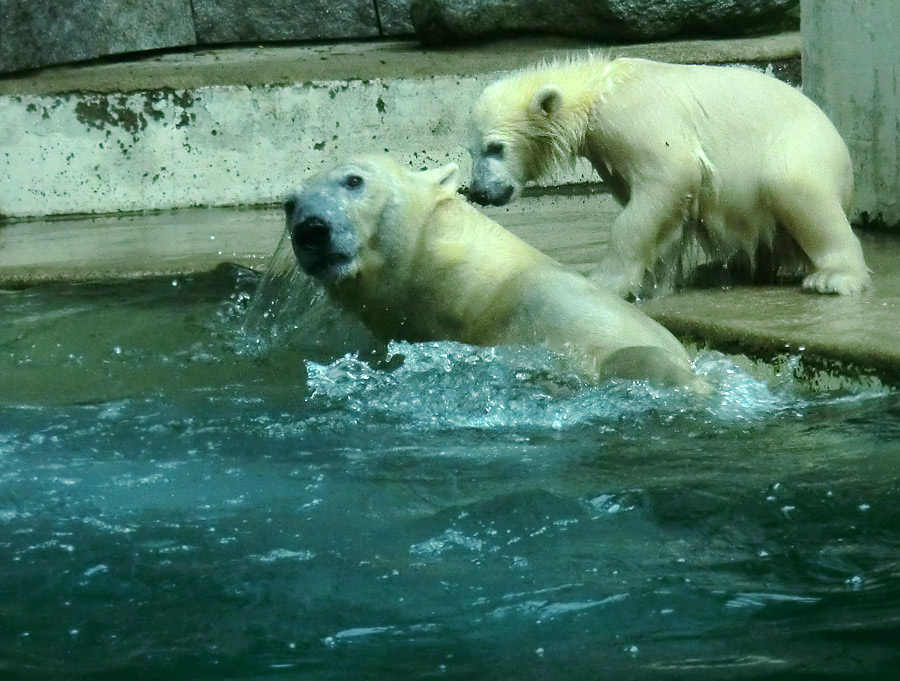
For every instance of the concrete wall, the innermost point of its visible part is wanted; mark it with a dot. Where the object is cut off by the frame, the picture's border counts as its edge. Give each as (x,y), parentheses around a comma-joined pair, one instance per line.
(851,68)
(241,126)
(213,146)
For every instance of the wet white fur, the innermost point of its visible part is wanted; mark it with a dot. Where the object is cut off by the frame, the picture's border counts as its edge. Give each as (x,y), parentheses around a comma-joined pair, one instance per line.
(717,156)
(432,267)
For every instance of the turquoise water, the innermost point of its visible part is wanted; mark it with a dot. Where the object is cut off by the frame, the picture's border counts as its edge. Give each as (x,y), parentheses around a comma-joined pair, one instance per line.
(200,478)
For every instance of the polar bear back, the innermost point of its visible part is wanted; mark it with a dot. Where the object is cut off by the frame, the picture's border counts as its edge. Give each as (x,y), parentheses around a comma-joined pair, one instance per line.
(732,140)
(741,121)
(557,306)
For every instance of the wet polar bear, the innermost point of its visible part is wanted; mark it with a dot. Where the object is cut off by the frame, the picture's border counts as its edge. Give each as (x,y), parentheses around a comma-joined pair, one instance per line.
(708,162)
(404,252)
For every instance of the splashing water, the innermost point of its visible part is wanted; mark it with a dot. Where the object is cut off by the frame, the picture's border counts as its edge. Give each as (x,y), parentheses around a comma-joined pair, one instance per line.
(289,309)
(448,385)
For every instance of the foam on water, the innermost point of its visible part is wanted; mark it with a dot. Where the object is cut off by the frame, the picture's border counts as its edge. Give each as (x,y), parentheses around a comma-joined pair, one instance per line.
(447,385)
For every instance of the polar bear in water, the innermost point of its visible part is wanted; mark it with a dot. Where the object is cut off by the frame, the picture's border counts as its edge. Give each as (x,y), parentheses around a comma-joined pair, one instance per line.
(404,252)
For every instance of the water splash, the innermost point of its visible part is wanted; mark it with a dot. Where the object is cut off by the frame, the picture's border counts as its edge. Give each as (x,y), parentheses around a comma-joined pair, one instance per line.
(448,385)
(290,309)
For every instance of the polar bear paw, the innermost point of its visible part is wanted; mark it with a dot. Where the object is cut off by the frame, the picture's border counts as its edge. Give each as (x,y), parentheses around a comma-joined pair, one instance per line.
(613,276)
(838,282)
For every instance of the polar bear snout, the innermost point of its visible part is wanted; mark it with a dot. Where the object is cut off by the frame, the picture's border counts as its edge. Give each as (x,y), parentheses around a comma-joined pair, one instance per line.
(489,190)
(492,195)
(492,183)
(323,248)
(312,234)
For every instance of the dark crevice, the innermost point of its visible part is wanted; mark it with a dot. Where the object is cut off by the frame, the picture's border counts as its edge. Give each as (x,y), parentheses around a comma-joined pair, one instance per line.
(378,18)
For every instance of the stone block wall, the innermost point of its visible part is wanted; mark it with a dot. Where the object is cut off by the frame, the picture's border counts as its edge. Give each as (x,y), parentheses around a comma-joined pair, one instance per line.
(239,21)
(41,32)
(35,33)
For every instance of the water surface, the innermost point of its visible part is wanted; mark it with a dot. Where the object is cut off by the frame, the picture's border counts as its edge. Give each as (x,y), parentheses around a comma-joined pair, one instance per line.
(215,477)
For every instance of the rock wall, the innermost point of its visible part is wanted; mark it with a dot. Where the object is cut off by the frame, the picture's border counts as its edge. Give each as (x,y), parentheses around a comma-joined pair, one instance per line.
(444,21)
(40,32)
(36,33)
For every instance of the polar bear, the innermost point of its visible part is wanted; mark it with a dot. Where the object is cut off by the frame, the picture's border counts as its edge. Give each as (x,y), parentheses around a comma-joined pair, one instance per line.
(409,256)
(711,163)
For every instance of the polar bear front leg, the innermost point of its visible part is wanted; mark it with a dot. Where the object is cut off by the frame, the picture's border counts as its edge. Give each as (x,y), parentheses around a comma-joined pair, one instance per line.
(648,223)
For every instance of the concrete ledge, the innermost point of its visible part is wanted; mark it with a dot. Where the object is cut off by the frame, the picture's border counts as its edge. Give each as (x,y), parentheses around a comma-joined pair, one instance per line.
(240,126)
(384,60)
(854,334)
(134,246)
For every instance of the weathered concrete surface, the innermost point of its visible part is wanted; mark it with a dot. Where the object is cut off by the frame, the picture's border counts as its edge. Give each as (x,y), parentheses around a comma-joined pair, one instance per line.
(103,248)
(212,146)
(851,68)
(238,127)
(859,332)
(443,22)
(250,21)
(40,32)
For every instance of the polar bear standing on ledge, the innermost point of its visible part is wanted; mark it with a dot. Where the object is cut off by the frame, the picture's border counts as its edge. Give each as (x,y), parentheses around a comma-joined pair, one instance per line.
(724,158)
(414,261)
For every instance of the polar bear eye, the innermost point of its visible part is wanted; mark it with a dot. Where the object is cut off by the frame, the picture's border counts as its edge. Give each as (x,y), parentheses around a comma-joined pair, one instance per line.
(494,149)
(353,182)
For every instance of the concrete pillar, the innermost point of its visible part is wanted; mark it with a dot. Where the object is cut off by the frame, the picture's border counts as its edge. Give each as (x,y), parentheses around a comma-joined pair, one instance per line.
(851,68)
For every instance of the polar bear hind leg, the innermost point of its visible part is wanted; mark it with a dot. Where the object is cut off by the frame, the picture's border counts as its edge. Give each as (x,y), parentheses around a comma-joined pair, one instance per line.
(816,220)
(659,367)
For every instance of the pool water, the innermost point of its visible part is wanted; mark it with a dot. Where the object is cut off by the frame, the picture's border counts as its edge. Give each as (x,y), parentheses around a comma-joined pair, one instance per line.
(220,477)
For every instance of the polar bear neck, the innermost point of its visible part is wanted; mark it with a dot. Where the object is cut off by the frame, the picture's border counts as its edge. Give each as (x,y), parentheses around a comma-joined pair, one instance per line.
(456,262)
(464,265)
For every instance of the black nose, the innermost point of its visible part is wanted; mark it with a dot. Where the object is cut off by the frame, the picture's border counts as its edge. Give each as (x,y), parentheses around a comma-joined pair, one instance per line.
(485,197)
(479,196)
(311,234)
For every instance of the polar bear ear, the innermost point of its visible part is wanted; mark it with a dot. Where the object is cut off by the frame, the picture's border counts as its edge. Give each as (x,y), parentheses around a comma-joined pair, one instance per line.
(547,100)
(446,177)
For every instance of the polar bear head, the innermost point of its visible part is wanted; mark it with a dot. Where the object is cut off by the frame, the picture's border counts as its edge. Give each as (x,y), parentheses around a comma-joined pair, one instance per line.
(357,216)
(519,132)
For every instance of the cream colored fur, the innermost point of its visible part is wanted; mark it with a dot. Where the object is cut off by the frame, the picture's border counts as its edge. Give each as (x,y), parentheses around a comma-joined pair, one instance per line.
(432,267)
(727,159)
